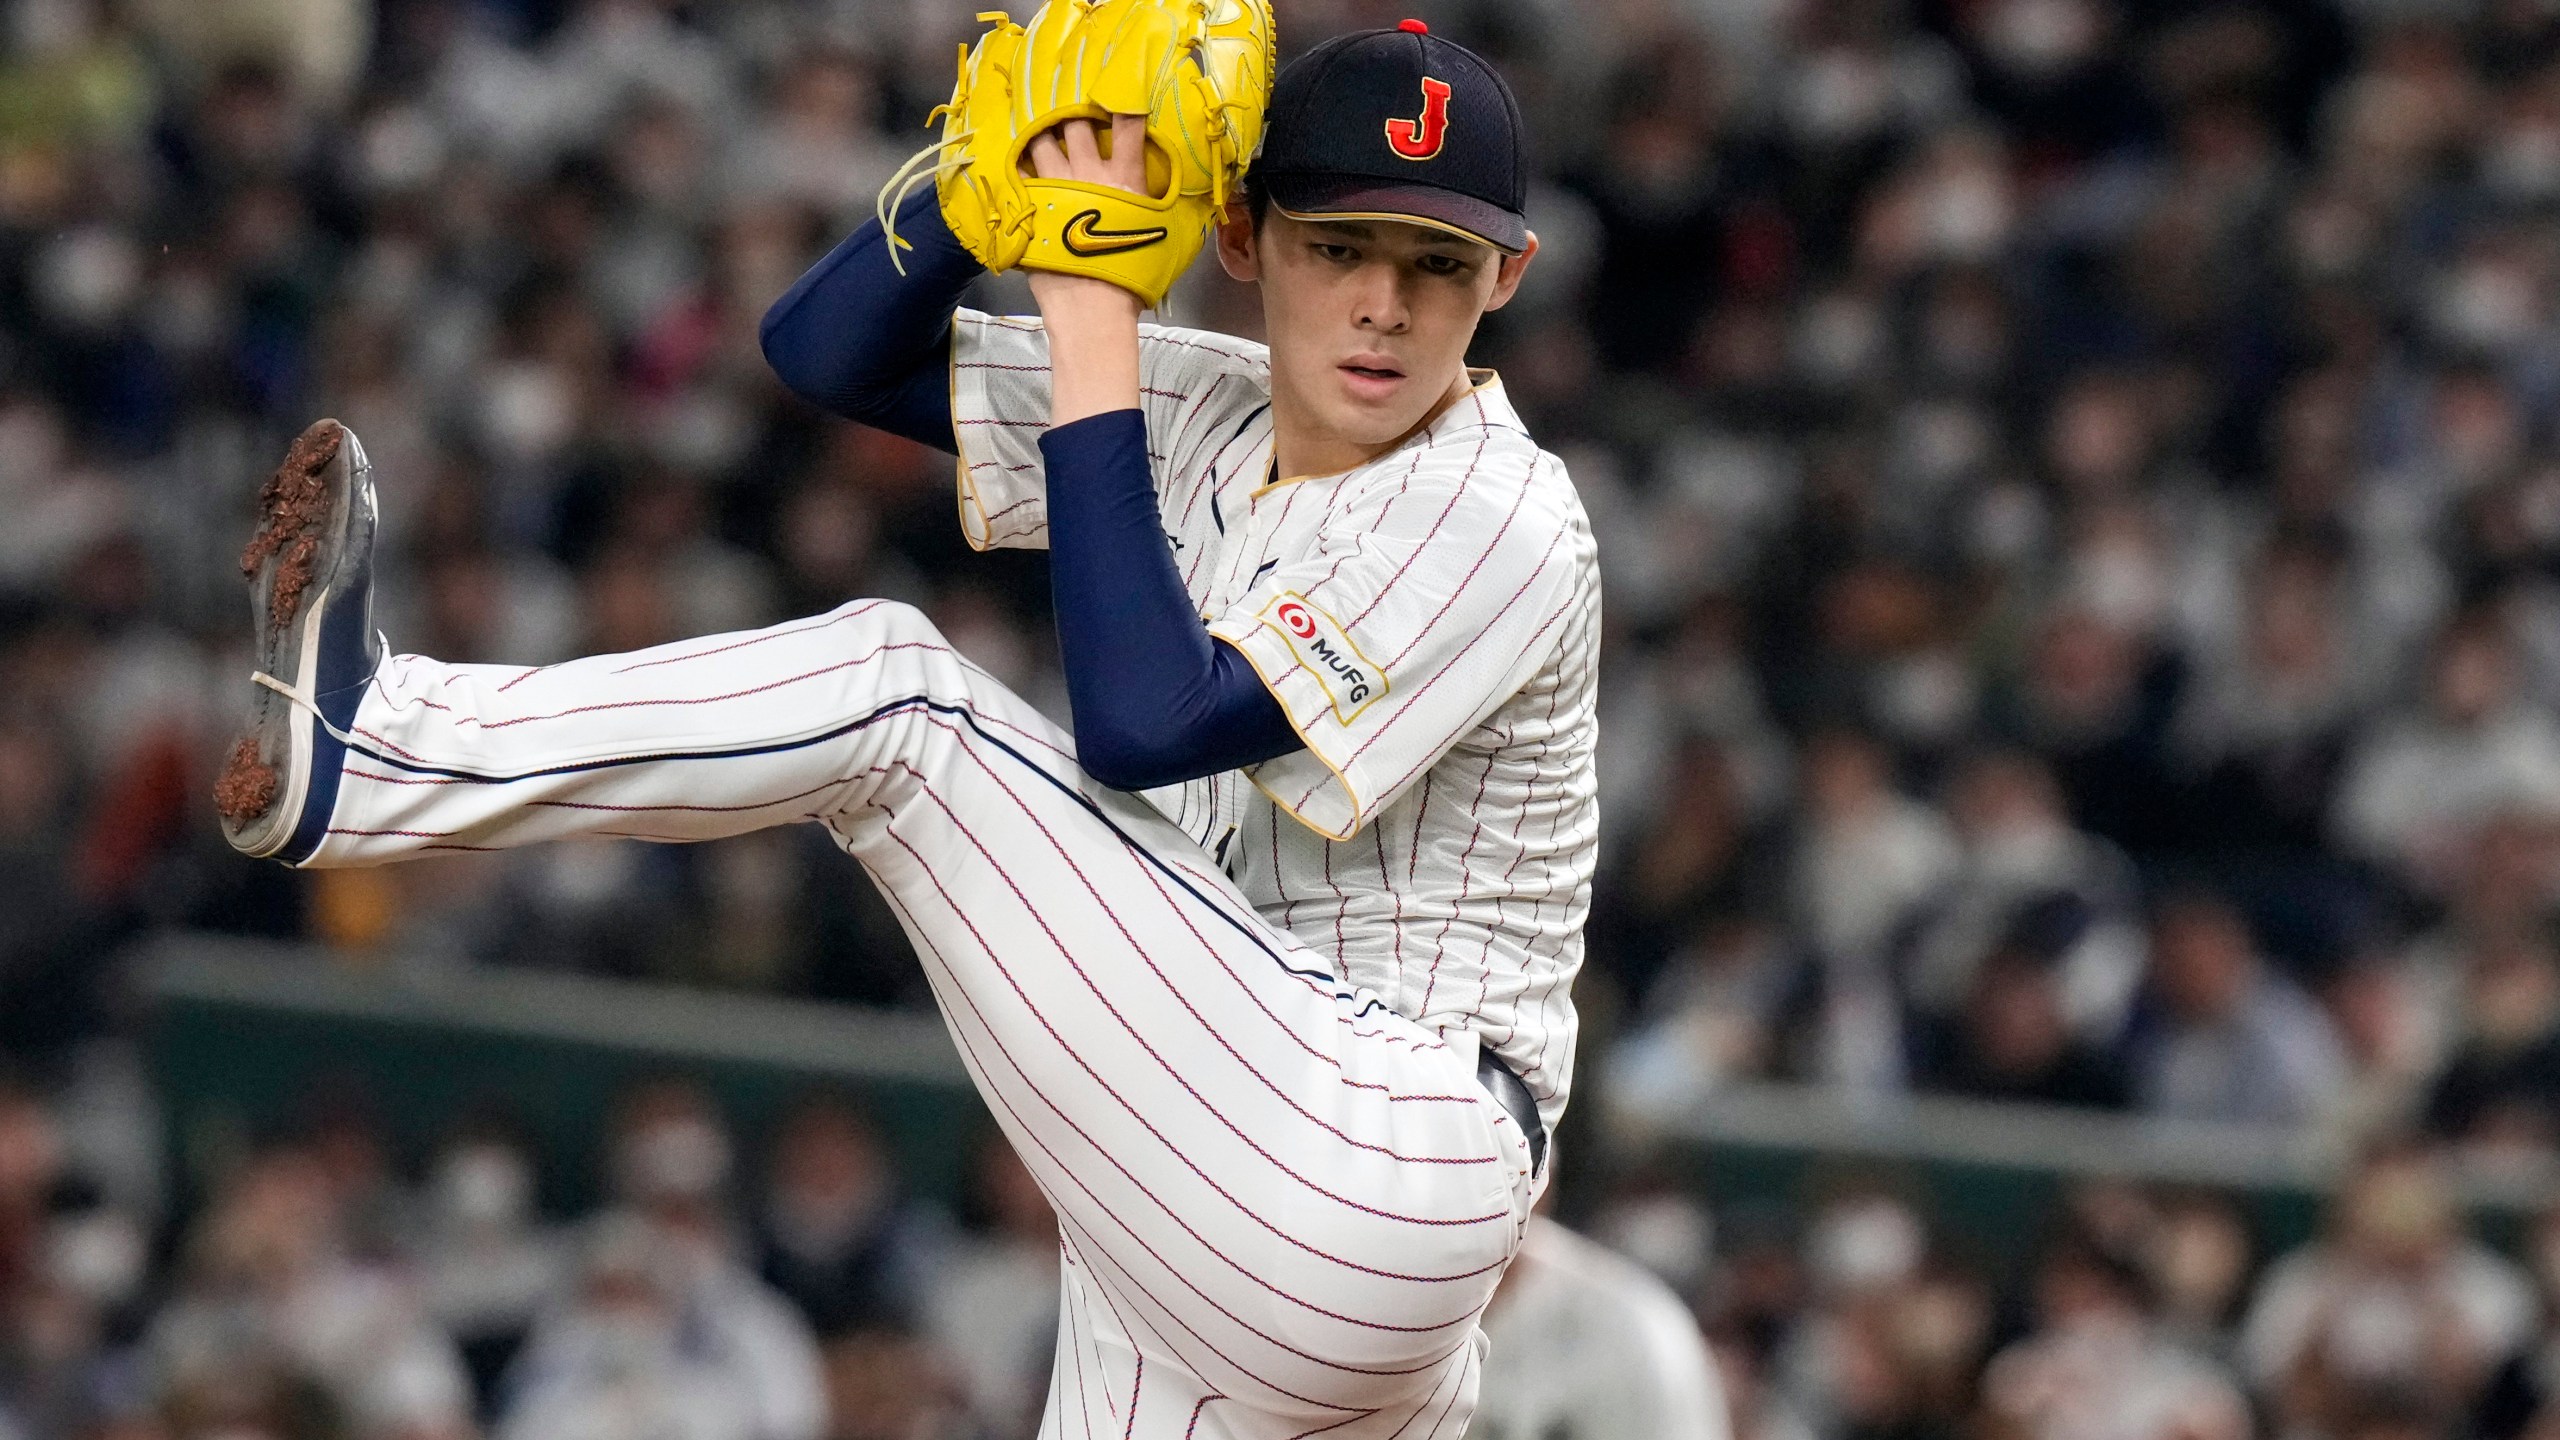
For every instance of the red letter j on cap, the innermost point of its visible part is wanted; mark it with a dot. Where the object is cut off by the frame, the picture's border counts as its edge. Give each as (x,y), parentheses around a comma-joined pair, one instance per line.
(1421,139)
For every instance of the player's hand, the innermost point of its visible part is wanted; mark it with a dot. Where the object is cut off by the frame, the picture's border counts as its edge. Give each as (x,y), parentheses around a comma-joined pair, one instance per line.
(1073,151)
(1093,324)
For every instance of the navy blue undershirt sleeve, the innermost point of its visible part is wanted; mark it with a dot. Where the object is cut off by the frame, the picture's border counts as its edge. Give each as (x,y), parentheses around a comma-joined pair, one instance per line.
(1157,699)
(858,339)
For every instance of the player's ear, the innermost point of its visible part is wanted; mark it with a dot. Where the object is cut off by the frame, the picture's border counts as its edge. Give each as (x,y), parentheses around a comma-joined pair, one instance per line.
(1506,276)
(1238,254)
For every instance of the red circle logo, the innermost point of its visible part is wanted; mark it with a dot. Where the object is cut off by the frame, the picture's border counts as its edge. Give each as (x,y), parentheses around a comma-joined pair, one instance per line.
(1300,623)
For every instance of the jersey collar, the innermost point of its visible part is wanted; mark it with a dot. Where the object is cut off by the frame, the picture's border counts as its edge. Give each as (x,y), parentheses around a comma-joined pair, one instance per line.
(1485,406)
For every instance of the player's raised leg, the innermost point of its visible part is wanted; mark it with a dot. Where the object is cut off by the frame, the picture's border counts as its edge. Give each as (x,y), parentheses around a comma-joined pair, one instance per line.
(352,757)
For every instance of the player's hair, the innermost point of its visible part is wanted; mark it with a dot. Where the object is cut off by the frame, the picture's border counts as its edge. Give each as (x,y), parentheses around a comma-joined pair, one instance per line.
(1257,199)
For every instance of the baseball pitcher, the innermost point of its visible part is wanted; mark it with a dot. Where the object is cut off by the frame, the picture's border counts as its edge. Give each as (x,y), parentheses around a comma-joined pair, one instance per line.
(1266,968)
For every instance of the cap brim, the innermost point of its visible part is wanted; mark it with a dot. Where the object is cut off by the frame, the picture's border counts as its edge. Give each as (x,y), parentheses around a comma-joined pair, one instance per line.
(1360,197)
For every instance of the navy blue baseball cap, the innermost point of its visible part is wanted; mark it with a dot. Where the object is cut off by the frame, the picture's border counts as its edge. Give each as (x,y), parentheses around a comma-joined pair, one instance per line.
(1398,125)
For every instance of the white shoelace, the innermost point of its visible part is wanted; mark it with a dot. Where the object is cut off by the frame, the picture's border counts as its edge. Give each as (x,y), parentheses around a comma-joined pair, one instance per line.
(304,702)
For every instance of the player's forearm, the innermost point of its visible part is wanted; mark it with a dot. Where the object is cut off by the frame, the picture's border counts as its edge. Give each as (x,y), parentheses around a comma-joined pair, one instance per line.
(1093,345)
(857,338)
(1156,701)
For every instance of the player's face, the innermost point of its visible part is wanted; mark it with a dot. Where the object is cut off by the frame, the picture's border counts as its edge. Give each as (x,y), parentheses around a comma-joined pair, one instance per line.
(1369,320)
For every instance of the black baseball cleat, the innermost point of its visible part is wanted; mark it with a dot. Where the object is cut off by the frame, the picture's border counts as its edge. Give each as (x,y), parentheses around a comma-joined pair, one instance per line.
(310,572)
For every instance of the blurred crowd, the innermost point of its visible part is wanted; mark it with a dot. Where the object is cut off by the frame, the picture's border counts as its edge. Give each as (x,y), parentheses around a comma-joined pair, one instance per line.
(2139,1313)
(2081,532)
(787,1283)
(324,1291)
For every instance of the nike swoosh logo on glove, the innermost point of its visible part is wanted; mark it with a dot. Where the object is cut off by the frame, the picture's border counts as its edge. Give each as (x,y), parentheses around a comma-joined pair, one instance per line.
(1084,236)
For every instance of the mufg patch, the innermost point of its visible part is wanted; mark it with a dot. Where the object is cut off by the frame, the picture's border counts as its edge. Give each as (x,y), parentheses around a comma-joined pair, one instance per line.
(1320,643)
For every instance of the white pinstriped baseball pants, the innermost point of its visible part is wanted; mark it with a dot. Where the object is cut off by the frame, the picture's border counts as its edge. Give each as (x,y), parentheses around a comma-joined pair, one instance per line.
(1282,1206)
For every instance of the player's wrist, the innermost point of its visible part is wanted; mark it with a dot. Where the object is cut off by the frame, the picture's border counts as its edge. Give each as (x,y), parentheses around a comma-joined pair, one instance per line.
(1085,302)
(1093,345)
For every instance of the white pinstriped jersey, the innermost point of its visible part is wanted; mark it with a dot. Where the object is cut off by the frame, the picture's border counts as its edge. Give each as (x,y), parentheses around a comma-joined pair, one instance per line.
(1430,621)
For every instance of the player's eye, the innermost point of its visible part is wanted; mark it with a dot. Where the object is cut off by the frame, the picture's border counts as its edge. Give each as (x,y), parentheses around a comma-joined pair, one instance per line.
(1338,254)
(1445,266)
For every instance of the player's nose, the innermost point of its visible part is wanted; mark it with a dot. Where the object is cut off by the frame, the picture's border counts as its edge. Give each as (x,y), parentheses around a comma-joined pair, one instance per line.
(1379,302)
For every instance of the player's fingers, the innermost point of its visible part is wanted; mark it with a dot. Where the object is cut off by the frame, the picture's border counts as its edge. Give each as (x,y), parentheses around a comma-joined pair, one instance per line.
(1129,152)
(1048,158)
(1083,152)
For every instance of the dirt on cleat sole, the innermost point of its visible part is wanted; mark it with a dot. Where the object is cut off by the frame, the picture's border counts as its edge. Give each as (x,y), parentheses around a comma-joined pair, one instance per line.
(247,785)
(293,506)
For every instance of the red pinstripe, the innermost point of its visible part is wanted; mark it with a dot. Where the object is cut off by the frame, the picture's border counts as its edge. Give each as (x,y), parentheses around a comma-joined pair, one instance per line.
(1279,889)
(835,618)
(692,809)
(1484,956)
(1341,902)
(1069,1351)
(1338,1424)
(398,779)
(1466,887)
(1210,479)
(1378,836)
(1179,343)
(1421,812)
(1280,523)
(1135,1388)
(421,701)
(1026,501)
(1130,1333)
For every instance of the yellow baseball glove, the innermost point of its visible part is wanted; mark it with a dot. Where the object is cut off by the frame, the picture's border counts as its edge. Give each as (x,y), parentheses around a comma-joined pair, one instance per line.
(1198,70)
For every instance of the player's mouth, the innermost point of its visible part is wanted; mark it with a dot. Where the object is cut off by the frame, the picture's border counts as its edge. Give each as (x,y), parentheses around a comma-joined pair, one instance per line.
(1371,377)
